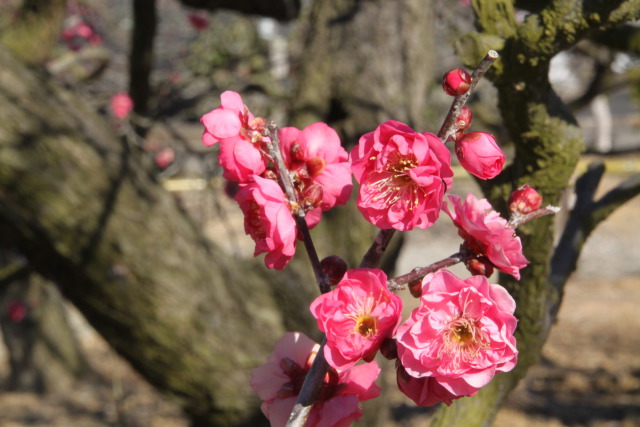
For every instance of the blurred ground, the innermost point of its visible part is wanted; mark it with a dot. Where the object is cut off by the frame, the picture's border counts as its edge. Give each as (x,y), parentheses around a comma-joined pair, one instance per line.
(589,375)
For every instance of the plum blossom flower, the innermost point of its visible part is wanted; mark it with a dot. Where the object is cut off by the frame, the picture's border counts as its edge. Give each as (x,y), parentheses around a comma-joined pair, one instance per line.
(278,383)
(240,136)
(121,105)
(268,220)
(479,154)
(403,176)
(486,233)
(460,335)
(314,156)
(357,316)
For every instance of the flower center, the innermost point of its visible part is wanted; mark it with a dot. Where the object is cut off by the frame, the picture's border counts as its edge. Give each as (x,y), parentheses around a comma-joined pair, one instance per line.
(395,183)
(463,340)
(366,325)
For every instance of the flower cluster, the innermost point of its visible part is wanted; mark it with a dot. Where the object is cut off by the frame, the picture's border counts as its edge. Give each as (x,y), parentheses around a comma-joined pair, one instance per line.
(462,332)
(315,160)
(278,383)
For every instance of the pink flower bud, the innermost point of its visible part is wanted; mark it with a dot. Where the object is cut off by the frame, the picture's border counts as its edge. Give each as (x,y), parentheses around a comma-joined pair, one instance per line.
(121,105)
(464,119)
(524,200)
(164,158)
(16,311)
(456,82)
(198,21)
(334,267)
(480,155)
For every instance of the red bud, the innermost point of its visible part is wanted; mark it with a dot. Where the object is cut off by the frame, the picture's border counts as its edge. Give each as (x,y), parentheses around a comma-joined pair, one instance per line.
(456,82)
(334,267)
(524,200)
(464,119)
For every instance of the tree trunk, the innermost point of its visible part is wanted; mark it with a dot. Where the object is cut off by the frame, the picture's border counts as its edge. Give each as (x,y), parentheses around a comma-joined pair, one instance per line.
(44,355)
(365,62)
(78,203)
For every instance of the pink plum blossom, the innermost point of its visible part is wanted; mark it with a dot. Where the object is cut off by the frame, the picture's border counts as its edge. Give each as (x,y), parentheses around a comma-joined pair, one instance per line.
(403,176)
(487,234)
(460,335)
(268,220)
(357,316)
(240,136)
(121,105)
(314,156)
(480,155)
(278,383)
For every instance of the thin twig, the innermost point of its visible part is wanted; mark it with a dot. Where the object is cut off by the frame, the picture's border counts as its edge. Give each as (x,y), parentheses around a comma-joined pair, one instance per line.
(449,127)
(373,256)
(517,220)
(420,272)
(285,180)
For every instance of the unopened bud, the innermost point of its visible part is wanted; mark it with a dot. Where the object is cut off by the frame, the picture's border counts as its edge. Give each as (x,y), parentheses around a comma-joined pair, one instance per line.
(335,268)
(389,349)
(524,200)
(415,287)
(480,266)
(456,82)
(479,154)
(164,158)
(464,119)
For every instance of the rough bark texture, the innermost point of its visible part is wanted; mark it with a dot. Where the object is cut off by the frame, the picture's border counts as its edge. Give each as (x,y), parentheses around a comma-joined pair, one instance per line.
(365,62)
(547,146)
(44,355)
(78,204)
(32,37)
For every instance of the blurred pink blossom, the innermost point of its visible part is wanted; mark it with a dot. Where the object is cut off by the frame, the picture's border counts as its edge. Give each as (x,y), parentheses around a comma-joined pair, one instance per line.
(121,105)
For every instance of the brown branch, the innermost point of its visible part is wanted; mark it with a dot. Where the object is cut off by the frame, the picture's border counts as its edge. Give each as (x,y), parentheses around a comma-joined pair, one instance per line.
(141,55)
(419,272)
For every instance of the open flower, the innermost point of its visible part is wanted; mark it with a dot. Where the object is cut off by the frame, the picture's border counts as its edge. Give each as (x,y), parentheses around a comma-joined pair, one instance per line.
(268,220)
(487,234)
(403,176)
(240,136)
(461,334)
(278,383)
(314,156)
(356,317)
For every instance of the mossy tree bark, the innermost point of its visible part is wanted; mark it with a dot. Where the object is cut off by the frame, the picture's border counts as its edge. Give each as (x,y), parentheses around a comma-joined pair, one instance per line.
(547,147)
(77,203)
